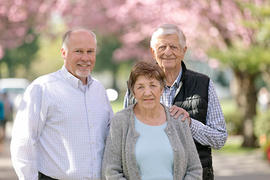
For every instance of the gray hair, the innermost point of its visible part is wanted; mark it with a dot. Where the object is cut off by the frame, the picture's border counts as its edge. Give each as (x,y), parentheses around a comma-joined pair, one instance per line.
(66,36)
(167,29)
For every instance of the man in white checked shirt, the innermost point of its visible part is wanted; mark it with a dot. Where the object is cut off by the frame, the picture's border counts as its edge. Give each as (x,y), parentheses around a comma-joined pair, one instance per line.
(63,120)
(189,93)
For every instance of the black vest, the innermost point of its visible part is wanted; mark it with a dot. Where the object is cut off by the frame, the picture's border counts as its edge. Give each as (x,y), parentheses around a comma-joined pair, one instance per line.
(193,97)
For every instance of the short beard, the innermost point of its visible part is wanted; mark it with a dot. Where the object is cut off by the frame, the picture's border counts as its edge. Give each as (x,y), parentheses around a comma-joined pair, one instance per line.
(83,74)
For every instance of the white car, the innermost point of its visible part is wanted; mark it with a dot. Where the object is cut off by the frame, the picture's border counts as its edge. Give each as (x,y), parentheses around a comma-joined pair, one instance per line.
(15,88)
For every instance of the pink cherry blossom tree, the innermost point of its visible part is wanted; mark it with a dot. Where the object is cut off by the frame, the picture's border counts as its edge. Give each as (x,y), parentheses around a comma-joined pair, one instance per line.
(213,28)
(17,17)
(21,22)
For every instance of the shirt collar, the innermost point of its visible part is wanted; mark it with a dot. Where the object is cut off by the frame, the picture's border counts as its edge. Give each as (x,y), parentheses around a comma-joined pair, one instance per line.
(178,79)
(74,81)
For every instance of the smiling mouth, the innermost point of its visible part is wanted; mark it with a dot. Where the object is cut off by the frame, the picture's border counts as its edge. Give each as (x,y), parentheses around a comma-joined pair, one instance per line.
(84,65)
(148,99)
(168,59)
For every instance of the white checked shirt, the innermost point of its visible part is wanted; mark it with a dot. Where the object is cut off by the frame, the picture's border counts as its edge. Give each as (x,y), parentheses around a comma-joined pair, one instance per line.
(214,133)
(170,92)
(60,128)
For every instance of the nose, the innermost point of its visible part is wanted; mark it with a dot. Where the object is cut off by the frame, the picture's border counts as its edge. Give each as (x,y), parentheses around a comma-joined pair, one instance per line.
(168,51)
(85,57)
(147,91)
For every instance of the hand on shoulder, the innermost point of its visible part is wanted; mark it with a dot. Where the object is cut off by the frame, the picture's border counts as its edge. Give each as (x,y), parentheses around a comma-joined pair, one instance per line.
(176,111)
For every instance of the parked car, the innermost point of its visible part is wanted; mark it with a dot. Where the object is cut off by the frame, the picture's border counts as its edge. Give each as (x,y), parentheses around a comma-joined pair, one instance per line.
(15,88)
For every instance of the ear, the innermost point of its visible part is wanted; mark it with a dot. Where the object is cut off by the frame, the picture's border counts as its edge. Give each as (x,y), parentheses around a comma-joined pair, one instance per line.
(133,94)
(185,49)
(63,53)
(152,52)
(162,90)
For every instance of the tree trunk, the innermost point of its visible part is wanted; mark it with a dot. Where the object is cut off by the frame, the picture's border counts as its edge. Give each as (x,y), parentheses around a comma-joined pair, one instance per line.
(246,98)
(266,76)
(11,70)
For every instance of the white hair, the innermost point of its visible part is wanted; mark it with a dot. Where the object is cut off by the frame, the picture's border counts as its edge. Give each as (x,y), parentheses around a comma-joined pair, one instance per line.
(167,29)
(68,33)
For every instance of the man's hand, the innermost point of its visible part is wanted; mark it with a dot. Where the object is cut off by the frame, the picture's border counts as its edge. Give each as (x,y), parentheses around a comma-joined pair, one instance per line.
(176,111)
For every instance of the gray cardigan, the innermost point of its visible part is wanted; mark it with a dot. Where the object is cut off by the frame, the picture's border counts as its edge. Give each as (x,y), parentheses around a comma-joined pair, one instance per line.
(119,161)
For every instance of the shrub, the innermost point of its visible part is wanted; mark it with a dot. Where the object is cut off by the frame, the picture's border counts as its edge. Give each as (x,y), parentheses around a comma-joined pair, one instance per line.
(262,124)
(234,120)
(262,130)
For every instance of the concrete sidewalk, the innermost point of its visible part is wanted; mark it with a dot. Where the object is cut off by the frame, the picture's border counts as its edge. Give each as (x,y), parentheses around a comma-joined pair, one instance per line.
(6,170)
(248,166)
(240,166)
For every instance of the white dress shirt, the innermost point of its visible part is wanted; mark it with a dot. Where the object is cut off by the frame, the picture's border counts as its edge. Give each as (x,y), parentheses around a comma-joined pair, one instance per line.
(60,128)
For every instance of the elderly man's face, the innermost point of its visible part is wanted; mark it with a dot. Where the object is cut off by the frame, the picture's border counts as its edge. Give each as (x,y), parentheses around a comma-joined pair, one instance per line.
(168,53)
(80,54)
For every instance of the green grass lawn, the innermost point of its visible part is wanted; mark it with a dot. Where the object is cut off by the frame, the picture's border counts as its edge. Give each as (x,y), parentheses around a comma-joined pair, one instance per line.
(117,105)
(233,145)
(235,148)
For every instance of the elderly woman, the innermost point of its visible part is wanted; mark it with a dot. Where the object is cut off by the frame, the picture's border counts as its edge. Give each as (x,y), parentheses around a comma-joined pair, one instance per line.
(145,142)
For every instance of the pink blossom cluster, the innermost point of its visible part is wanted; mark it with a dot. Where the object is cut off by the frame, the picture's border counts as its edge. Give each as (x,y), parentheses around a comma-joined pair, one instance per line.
(17,17)
(205,23)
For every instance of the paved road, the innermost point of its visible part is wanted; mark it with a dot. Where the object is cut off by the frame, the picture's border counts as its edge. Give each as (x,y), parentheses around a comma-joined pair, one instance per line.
(249,166)
(240,166)
(6,170)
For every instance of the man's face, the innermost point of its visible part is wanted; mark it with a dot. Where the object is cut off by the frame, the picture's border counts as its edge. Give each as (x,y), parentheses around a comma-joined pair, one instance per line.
(168,53)
(80,54)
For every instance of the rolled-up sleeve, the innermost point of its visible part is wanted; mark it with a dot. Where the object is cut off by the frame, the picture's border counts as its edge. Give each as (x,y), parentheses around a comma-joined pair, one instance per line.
(214,133)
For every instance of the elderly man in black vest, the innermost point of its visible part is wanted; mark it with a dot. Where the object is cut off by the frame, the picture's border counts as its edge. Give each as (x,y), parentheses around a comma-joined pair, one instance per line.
(189,93)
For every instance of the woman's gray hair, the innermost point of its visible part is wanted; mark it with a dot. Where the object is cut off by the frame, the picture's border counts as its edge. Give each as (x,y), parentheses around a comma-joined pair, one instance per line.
(167,29)
(66,36)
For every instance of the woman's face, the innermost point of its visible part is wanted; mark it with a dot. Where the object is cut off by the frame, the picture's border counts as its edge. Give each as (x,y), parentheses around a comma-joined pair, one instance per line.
(147,92)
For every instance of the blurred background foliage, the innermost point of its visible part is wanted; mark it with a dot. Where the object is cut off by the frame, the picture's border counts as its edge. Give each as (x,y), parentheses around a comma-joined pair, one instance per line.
(227,40)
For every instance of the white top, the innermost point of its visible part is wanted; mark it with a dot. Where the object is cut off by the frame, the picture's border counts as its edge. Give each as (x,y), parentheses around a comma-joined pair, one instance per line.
(153,152)
(60,128)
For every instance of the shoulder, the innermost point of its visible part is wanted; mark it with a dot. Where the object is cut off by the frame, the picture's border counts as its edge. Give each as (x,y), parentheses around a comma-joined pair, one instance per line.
(178,123)
(42,81)
(47,79)
(196,75)
(123,116)
(97,84)
(196,78)
(170,117)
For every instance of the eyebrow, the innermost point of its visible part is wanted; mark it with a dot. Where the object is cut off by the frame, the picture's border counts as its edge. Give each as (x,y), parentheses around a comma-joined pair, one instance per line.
(170,44)
(138,84)
(83,49)
(151,82)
